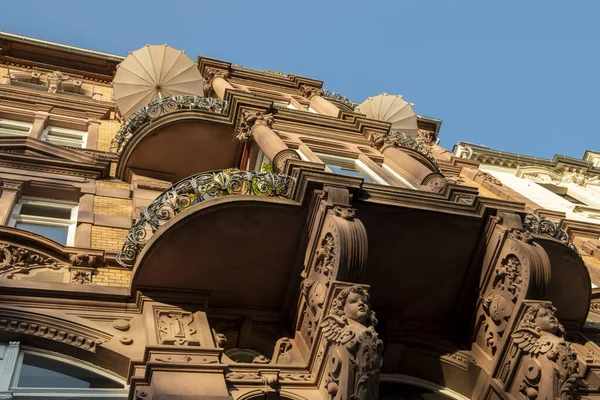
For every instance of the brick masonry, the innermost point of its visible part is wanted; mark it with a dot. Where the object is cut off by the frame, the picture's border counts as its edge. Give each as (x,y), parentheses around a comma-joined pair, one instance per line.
(112,277)
(109,239)
(112,206)
(106,132)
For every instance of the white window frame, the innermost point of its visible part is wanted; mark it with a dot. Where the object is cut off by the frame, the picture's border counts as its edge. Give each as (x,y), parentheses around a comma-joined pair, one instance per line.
(63,393)
(71,223)
(8,123)
(49,129)
(360,167)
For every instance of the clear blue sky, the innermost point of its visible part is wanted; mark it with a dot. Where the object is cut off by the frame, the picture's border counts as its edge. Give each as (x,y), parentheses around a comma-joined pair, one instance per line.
(518,76)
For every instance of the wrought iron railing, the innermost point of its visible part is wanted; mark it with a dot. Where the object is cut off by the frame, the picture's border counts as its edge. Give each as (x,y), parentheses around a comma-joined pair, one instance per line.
(401,139)
(338,97)
(536,224)
(160,107)
(196,189)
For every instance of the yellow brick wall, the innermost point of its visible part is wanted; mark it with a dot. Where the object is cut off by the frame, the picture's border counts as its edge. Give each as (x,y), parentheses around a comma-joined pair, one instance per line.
(109,239)
(112,277)
(112,206)
(106,133)
(113,184)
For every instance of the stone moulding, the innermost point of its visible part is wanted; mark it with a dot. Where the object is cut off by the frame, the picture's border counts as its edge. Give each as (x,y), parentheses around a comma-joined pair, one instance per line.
(164,106)
(543,226)
(195,189)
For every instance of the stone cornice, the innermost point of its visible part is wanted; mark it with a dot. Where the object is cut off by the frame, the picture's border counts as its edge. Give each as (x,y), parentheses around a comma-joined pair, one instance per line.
(36,155)
(287,81)
(486,155)
(447,202)
(60,104)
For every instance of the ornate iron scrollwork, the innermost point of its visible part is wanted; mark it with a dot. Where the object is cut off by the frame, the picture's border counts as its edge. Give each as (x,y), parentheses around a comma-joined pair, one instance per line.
(195,189)
(338,97)
(164,106)
(536,224)
(401,139)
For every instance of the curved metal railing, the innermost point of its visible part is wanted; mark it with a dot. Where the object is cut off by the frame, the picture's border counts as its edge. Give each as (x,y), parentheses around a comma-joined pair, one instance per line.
(196,189)
(160,107)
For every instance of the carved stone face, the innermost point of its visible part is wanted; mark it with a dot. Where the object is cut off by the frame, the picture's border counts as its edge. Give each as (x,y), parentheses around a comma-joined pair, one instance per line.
(546,321)
(356,308)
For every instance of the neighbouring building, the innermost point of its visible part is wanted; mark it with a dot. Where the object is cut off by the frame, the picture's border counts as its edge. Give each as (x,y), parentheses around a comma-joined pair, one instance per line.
(180,229)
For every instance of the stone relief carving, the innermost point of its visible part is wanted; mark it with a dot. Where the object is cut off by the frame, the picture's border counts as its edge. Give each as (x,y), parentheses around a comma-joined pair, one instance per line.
(486,176)
(210,74)
(549,363)
(81,276)
(281,157)
(435,182)
(83,260)
(499,302)
(176,328)
(16,261)
(309,91)
(427,137)
(355,355)
(250,118)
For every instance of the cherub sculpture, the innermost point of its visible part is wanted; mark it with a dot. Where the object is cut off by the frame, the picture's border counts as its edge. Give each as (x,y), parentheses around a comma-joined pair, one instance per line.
(540,335)
(350,326)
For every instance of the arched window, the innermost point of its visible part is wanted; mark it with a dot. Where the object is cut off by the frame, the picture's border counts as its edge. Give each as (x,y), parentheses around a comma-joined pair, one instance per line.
(38,374)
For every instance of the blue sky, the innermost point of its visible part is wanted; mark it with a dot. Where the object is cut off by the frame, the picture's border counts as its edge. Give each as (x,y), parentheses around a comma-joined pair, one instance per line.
(518,76)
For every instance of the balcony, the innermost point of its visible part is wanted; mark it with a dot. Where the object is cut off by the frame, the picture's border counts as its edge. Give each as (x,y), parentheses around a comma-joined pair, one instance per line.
(196,189)
(174,137)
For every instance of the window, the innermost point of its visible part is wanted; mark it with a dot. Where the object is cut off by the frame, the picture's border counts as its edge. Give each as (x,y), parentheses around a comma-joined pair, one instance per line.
(53,219)
(64,136)
(350,167)
(14,128)
(40,374)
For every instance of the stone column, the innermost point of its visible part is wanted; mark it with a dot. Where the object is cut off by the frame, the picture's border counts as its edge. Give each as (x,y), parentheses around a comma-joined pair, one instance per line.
(257,125)
(214,80)
(8,199)
(317,102)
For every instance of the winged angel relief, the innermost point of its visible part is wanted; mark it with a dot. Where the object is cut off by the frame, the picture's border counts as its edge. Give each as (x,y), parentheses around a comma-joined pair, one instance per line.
(356,355)
(540,336)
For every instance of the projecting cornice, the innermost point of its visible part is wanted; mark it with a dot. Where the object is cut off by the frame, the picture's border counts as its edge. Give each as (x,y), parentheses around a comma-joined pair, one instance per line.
(35,155)
(59,104)
(485,155)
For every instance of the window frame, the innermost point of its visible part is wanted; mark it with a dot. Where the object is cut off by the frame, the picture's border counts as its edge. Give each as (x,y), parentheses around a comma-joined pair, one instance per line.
(360,166)
(9,122)
(48,132)
(63,393)
(70,224)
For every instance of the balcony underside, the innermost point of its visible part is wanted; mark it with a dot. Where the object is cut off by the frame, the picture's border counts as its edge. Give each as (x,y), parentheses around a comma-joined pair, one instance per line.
(178,145)
(240,249)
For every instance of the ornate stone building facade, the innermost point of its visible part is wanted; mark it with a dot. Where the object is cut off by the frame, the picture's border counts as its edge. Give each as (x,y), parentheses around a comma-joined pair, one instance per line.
(174,229)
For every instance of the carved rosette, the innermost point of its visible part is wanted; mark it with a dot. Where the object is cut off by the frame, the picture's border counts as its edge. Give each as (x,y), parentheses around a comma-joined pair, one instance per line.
(310,91)
(250,119)
(486,176)
(435,182)
(210,74)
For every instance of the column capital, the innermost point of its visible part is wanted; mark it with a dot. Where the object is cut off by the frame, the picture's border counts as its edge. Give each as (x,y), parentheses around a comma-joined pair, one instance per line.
(310,91)
(252,118)
(210,73)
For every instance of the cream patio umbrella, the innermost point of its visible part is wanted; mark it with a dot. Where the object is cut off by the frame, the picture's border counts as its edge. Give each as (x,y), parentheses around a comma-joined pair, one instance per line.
(393,109)
(154,72)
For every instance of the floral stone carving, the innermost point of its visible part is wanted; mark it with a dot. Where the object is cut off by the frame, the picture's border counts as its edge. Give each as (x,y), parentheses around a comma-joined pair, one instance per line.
(355,355)
(16,261)
(250,118)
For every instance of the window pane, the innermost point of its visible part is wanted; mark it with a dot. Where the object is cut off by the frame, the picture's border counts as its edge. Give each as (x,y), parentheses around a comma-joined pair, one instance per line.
(38,371)
(349,172)
(45,211)
(56,233)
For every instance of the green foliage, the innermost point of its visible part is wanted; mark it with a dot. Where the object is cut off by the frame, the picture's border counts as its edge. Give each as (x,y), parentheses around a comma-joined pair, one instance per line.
(266,167)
